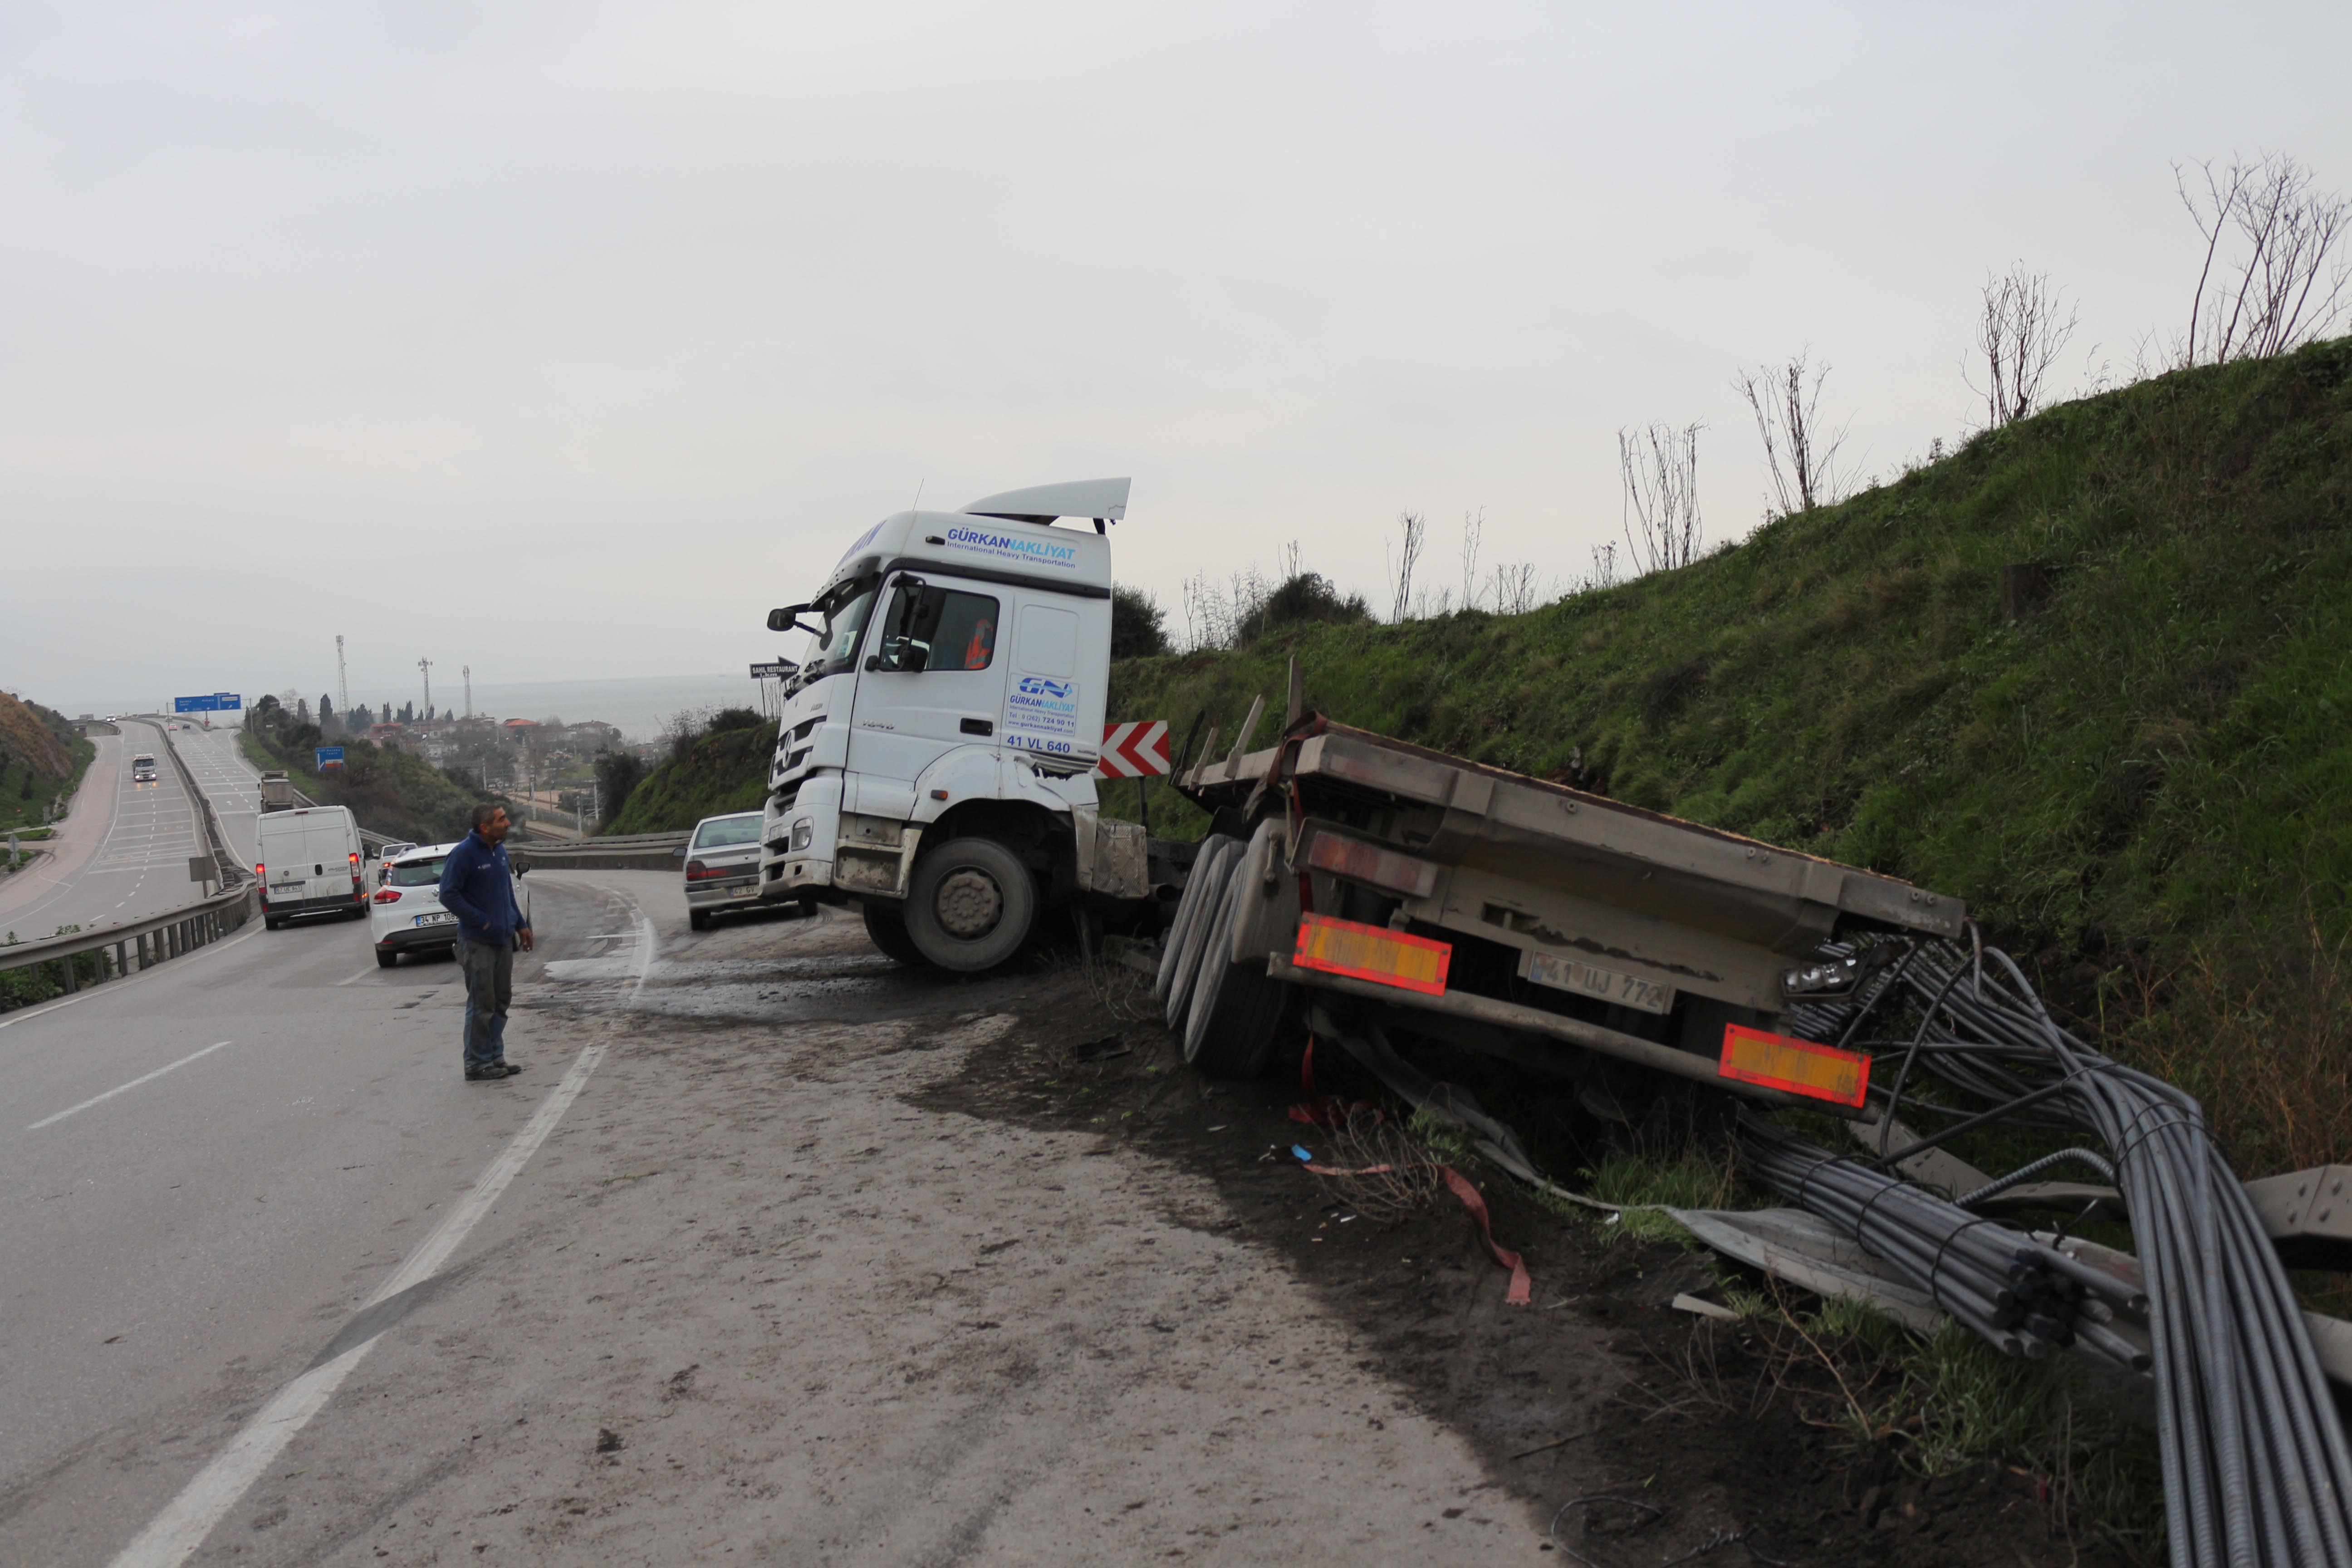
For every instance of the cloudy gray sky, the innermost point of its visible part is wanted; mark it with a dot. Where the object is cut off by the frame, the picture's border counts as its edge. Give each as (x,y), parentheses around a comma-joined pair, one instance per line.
(564,340)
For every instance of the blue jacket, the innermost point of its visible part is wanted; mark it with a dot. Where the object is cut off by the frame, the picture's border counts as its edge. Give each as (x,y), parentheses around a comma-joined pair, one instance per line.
(476,887)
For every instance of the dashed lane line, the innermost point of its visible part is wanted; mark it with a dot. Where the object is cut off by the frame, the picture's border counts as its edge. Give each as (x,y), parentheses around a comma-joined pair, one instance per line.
(122,1089)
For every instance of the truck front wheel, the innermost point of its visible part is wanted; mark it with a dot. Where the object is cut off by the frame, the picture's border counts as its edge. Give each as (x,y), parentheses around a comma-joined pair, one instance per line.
(971,904)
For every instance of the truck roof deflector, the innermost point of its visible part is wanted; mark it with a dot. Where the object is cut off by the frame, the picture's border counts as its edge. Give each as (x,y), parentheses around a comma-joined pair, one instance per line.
(1105,498)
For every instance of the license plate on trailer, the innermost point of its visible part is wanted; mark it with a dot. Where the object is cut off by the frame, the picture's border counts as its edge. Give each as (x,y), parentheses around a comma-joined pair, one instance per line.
(1373,952)
(1591,980)
(440,920)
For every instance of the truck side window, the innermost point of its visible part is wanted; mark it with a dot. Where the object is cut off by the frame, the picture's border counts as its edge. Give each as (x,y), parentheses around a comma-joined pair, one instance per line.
(938,628)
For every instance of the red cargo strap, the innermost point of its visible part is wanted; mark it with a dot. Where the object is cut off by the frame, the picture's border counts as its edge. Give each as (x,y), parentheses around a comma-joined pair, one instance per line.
(1521,1286)
(1323,1110)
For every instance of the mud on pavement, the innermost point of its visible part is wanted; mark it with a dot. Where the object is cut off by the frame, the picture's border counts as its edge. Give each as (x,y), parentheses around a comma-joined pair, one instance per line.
(834,1264)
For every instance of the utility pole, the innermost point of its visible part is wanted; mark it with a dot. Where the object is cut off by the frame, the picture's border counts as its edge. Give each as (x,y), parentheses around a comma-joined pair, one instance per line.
(467,670)
(342,684)
(427,666)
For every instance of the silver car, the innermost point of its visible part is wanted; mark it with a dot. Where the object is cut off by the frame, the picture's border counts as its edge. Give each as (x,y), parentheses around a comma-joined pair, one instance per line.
(722,867)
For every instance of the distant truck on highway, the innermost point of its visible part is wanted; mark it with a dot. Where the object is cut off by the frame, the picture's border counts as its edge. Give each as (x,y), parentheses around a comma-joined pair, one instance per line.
(935,765)
(142,769)
(277,790)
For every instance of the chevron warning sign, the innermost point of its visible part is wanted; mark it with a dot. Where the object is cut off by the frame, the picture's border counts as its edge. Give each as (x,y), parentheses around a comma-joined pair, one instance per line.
(1134,751)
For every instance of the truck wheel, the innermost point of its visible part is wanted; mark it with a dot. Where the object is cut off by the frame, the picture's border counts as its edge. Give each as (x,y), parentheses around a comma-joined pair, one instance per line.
(1188,913)
(386,959)
(1196,940)
(885,930)
(697,919)
(971,904)
(1236,1010)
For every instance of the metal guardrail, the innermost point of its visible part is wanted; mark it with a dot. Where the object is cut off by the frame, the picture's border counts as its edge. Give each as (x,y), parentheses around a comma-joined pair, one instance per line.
(621,852)
(142,945)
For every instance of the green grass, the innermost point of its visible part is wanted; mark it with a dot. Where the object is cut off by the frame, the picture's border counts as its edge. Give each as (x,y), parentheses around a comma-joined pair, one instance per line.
(43,758)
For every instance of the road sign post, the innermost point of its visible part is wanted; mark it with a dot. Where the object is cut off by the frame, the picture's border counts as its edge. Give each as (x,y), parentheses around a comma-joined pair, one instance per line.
(201,870)
(328,757)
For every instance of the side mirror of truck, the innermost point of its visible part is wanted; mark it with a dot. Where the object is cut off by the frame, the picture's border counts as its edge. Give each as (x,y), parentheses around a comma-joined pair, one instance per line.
(788,619)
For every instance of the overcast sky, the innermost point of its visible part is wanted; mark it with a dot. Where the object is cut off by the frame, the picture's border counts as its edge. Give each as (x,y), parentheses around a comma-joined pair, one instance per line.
(564,340)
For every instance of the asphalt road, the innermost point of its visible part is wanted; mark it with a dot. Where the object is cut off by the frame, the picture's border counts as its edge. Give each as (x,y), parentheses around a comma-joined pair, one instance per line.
(121,855)
(206,1168)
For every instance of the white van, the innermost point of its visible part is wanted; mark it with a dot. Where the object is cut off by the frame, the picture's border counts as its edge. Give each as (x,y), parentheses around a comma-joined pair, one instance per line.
(309,864)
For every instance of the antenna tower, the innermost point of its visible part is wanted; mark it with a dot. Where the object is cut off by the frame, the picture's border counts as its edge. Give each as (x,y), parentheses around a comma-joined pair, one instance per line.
(467,670)
(342,685)
(427,666)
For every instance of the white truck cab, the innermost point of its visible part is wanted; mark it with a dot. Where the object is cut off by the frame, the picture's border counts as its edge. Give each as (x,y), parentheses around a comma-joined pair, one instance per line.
(936,755)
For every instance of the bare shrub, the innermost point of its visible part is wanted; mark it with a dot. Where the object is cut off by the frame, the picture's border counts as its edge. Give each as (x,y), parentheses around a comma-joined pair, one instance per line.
(2284,289)
(1386,1174)
(1515,588)
(1472,528)
(2019,337)
(1413,530)
(1659,465)
(1800,457)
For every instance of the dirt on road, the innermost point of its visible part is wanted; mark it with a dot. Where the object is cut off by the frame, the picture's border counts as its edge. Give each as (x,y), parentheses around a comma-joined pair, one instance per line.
(833,1264)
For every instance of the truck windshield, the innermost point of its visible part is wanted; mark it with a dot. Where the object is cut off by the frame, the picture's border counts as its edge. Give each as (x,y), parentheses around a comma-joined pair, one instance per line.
(845,610)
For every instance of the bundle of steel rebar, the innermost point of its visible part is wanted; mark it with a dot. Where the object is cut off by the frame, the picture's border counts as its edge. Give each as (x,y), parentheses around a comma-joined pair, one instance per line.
(2256,1470)
(2020,1295)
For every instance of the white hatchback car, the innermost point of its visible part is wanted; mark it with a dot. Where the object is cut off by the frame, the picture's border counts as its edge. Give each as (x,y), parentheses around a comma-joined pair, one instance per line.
(406,914)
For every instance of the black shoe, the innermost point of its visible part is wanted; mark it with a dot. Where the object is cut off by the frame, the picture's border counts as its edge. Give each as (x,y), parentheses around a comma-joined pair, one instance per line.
(477,1075)
(508,1070)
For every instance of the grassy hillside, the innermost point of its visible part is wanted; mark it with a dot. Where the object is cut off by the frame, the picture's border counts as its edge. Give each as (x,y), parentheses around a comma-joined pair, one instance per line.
(2163,747)
(719,771)
(42,757)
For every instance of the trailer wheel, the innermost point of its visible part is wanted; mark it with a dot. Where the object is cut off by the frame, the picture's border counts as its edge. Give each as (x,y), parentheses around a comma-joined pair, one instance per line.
(1196,939)
(971,904)
(1236,1011)
(1188,913)
(889,932)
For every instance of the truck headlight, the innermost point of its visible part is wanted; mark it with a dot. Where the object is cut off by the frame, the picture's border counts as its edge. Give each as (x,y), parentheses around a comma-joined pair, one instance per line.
(803,832)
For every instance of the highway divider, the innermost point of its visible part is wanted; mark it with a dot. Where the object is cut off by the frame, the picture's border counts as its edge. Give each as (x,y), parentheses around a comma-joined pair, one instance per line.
(621,852)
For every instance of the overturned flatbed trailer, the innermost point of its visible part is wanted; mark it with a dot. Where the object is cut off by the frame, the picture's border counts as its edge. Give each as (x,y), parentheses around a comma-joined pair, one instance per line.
(1512,916)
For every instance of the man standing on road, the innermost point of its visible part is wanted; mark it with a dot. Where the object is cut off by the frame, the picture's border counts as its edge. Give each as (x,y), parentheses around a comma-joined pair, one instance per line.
(479,889)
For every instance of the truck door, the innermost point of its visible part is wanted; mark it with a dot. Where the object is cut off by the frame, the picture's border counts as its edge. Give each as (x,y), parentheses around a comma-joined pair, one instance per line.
(933,682)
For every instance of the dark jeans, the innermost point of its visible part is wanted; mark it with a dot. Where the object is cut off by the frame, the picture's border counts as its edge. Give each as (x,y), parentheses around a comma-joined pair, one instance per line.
(489,989)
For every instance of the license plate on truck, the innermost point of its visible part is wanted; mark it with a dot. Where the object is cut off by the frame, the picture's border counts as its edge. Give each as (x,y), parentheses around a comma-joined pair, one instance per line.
(1591,980)
(1373,952)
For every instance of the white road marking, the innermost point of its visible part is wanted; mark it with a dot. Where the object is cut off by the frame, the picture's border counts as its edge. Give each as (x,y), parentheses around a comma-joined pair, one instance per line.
(363,974)
(182,1525)
(114,987)
(123,1089)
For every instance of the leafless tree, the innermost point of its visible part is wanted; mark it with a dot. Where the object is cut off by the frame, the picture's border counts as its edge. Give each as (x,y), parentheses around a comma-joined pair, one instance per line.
(1659,464)
(2019,338)
(1800,457)
(1515,591)
(1414,528)
(1473,528)
(2285,289)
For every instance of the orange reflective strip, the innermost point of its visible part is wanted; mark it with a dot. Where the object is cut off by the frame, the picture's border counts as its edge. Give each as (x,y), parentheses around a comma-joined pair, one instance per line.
(1798,1067)
(1373,952)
